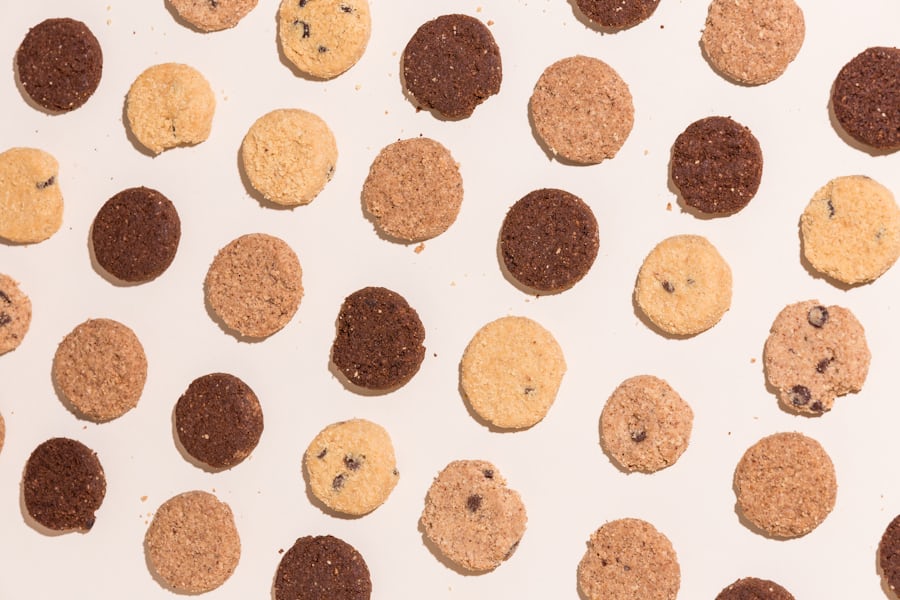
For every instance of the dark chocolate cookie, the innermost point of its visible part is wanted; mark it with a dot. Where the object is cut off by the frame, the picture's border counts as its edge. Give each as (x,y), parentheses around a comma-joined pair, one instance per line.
(889,554)
(135,234)
(717,165)
(549,240)
(752,588)
(866,97)
(617,14)
(322,568)
(379,338)
(452,64)
(218,420)
(63,485)
(60,63)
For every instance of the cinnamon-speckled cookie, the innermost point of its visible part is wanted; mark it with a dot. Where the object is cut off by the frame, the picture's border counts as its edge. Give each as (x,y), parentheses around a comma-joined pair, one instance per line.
(865,97)
(322,567)
(212,15)
(753,588)
(15,314)
(617,14)
(31,202)
(889,554)
(324,38)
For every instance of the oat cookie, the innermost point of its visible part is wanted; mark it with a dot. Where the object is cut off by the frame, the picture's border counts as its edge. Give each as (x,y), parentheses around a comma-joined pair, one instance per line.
(322,567)
(511,371)
(15,314)
(212,15)
(889,554)
(753,588)
(865,98)
(324,38)
(617,14)
(813,354)
(473,518)
(628,559)
(31,202)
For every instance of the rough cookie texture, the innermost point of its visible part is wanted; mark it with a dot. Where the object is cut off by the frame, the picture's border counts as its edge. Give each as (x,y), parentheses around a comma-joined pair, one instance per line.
(753,588)
(889,554)
(617,14)
(15,314)
(2,431)
(322,568)
(865,97)
(212,15)
(31,202)
(324,38)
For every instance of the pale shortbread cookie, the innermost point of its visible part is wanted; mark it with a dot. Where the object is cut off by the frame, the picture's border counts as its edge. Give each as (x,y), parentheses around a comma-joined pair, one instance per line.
(31,202)
(213,15)
(324,38)
(15,314)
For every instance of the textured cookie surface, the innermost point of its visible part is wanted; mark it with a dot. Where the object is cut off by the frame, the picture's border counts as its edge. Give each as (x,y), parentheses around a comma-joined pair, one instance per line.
(473,518)
(582,110)
(865,97)
(617,14)
(628,559)
(889,554)
(324,38)
(549,240)
(2,431)
(511,371)
(785,484)
(322,568)
(815,353)
(100,368)
(414,189)
(15,314)
(351,466)
(31,202)
(213,15)
(753,41)
(289,155)
(753,588)
(452,64)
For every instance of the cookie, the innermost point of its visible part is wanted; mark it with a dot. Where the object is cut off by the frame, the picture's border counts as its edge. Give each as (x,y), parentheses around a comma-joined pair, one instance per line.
(63,485)
(135,234)
(684,285)
(100,369)
(31,202)
(617,14)
(59,64)
(865,98)
(170,105)
(813,354)
(289,155)
(627,559)
(581,110)
(324,38)
(785,485)
(218,420)
(889,554)
(472,517)
(254,285)
(379,340)
(645,425)
(414,189)
(351,466)
(549,240)
(15,314)
(192,544)
(452,64)
(322,567)
(716,165)
(752,41)
(212,15)
(2,431)
(753,588)
(511,371)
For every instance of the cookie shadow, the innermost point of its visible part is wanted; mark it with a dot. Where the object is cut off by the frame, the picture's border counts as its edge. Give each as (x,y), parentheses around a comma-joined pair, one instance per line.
(721,73)
(682,203)
(846,137)
(129,132)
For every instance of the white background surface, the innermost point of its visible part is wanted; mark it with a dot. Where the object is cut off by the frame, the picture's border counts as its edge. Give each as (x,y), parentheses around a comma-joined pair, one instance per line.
(568,484)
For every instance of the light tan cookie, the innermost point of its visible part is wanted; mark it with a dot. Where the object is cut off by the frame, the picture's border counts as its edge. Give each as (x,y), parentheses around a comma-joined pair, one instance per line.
(31,202)
(785,484)
(170,105)
(213,15)
(414,189)
(645,425)
(851,229)
(472,517)
(2,431)
(753,41)
(815,353)
(684,285)
(289,155)
(192,543)
(582,109)
(324,38)
(629,559)
(15,314)
(511,371)
(351,466)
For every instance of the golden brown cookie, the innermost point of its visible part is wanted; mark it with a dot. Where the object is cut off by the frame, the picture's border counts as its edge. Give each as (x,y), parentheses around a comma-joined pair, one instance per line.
(15,314)
(212,15)
(31,202)
(324,38)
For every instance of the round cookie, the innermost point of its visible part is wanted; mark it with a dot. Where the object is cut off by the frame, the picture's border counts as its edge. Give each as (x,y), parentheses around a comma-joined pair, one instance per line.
(889,554)
(218,420)
(379,340)
(785,485)
(414,189)
(511,371)
(582,110)
(324,38)
(717,165)
(865,98)
(212,15)
(63,485)
(472,517)
(351,466)
(254,285)
(627,559)
(322,567)
(135,234)
(753,41)
(645,425)
(813,354)
(289,155)
(753,588)
(100,369)
(170,105)
(684,285)
(31,202)
(59,64)
(617,14)
(192,543)
(452,64)
(15,314)
(549,240)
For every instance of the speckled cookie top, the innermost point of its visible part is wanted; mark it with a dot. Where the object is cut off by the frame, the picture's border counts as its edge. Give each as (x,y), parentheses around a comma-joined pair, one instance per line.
(754,588)
(865,97)
(889,554)
(212,15)
(322,567)
(31,200)
(617,14)
(15,314)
